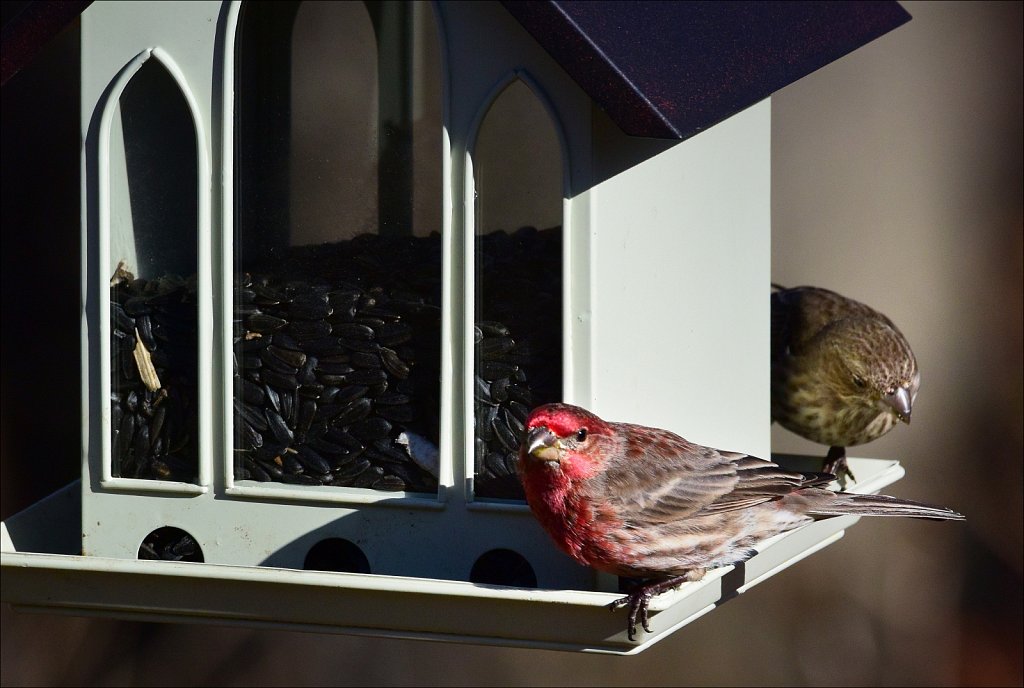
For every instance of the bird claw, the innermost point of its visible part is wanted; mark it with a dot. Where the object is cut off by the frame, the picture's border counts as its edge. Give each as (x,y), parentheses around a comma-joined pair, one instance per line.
(836,464)
(639,600)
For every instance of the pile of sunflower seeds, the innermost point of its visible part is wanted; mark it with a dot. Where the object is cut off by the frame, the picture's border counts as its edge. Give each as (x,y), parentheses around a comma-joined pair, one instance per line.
(324,384)
(154,370)
(502,401)
(337,373)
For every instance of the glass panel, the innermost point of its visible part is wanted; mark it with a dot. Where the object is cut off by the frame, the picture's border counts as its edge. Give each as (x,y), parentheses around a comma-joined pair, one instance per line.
(517,164)
(153,307)
(338,245)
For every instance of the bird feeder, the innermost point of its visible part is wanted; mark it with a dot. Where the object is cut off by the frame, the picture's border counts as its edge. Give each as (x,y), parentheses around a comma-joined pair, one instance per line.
(334,252)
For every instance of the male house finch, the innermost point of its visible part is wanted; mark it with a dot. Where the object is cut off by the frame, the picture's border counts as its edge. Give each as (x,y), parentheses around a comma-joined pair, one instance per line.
(842,373)
(645,503)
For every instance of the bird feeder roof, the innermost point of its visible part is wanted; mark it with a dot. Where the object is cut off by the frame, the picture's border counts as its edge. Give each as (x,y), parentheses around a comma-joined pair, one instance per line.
(672,69)
(659,69)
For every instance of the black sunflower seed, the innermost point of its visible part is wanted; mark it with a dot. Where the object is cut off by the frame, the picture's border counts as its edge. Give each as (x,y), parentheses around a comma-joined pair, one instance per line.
(521,393)
(505,435)
(343,300)
(390,483)
(352,412)
(481,390)
(393,364)
(264,323)
(492,370)
(494,346)
(310,390)
(513,423)
(305,375)
(499,389)
(282,433)
(252,415)
(333,368)
(368,477)
(279,380)
(273,398)
(254,344)
(485,416)
(290,462)
(328,393)
(300,479)
(520,411)
(270,467)
(349,472)
(372,428)
(305,415)
(320,443)
(391,399)
(290,357)
(310,307)
(365,360)
(353,331)
(252,393)
(251,439)
(266,296)
(325,346)
(495,463)
(366,377)
(271,362)
(363,345)
(256,471)
(350,393)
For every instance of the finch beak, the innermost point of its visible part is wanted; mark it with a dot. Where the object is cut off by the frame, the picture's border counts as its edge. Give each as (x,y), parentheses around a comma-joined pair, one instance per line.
(542,444)
(900,402)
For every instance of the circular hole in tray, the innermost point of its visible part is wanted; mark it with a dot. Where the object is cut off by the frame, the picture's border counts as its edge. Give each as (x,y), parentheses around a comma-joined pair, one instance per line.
(336,554)
(170,544)
(503,567)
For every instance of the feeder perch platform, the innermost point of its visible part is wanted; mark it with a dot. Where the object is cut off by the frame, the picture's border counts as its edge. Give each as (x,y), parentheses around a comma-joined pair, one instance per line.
(43,572)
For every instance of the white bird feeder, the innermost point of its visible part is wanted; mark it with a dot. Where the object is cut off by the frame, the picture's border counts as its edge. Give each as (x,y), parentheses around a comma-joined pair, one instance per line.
(334,251)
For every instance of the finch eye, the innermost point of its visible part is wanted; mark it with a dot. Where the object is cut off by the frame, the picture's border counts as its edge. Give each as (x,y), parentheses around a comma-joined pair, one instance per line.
(581,434)
(859,381)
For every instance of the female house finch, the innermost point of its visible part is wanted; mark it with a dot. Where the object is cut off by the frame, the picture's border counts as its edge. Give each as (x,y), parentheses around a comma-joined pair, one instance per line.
(842,373)
(645,503)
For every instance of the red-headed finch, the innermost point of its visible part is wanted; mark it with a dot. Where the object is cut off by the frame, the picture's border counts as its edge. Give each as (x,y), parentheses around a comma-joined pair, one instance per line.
(842,373)
(645,503)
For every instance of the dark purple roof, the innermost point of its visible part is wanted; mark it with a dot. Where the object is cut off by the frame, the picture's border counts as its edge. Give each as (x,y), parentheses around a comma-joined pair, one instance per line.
(672,69)
(30,28)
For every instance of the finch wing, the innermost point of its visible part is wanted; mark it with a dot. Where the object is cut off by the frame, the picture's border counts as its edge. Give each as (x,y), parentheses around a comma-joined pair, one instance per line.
(760,481)
(659,477)
(801,313)
(664,478)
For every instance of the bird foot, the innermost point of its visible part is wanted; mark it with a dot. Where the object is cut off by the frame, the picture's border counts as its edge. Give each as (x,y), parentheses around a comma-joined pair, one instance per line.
(836,464)
(640,598)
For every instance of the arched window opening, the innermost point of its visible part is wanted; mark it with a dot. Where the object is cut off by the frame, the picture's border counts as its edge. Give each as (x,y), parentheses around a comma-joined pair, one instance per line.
(518,170)
(337,244)
(154,217)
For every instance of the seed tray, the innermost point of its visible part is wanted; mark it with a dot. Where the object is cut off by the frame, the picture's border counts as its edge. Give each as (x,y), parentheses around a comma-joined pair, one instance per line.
(42,572)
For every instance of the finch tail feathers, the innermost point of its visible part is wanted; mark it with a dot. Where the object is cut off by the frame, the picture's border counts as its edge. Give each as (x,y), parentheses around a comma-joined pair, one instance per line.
(881,505)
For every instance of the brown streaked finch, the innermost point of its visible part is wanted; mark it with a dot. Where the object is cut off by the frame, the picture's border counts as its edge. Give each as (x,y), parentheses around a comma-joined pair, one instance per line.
(842,373)
(644,503)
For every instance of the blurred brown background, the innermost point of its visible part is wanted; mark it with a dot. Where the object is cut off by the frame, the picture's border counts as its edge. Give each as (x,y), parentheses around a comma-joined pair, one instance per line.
(897,180)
